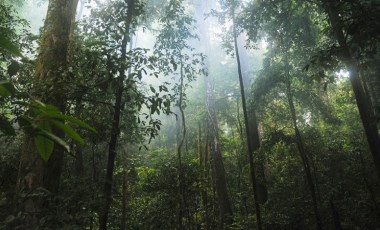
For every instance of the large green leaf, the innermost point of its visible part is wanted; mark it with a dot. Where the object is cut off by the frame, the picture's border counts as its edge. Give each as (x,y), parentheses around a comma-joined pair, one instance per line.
(56,139)
(45,140)
(44,146)
(6,89)
(6,127)
(69,131)
(71,119)
(50,108)
(50,111)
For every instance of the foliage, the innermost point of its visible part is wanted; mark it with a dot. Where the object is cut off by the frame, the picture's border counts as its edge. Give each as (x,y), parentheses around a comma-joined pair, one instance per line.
(40,118)
(301,59)
(173,45)
(155,193)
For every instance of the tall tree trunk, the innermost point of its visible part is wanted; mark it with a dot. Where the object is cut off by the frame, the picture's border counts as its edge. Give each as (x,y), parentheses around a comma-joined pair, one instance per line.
(218,172)
(216,159)
(199,147)
(206,177)
(94,172)
(112,146)
(300,144)
(262,192)
(250,144)
(373,85)
(181,135)
(103,217)
(124,204)
(225,210)
(366,113)
(50,87)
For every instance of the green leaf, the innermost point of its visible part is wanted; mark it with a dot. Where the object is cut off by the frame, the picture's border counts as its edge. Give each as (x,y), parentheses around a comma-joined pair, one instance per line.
(44,146)
(152,89)
(45,140)
(73,120)
(6,127)
(41,107)
(7,45)
(6,89)
(51,108)
(44,125)
(56,139)
(69,131)
(51,111)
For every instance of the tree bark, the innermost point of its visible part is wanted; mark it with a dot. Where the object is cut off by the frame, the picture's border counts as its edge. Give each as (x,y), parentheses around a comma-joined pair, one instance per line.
(218,172)
(124,204)
(262,191)
(250,145)
(206,168)
(49,87)
(366,113)
(181,135)
(225,210)
(115,130)
(300,144)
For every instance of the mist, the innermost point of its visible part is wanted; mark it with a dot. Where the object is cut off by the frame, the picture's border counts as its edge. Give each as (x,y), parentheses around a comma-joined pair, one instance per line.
(189,114)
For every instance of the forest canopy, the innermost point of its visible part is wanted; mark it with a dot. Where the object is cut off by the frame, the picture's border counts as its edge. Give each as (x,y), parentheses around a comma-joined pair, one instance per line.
(189,114)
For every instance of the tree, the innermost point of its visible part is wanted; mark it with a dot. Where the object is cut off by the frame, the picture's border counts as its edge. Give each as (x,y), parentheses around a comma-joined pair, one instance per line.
(125,33)
(151,168)
(173,44)
(271,20)
(225,209)
(333,8)
(50,87)
(250,131)
(284,45)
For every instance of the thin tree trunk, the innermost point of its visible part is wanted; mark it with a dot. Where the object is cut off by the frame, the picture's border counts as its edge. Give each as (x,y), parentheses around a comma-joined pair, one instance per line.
(200,154)
(300,144)
(206,180)
(94,181)
(239,125)
(248,134)
(212,177)
(366,113)
(52,63)
(181,135)
(262,192)
(111,160)
(103,216)
(124,205)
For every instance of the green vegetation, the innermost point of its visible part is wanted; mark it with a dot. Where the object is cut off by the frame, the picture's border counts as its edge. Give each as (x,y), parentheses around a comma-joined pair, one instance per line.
(177,114)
